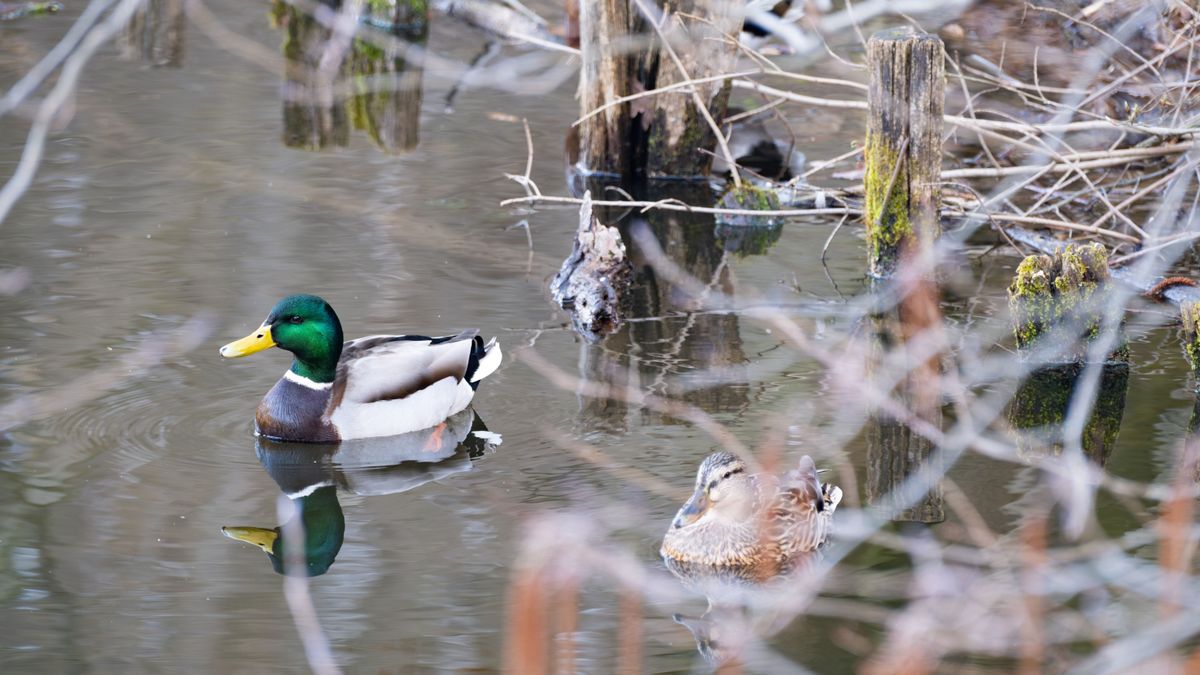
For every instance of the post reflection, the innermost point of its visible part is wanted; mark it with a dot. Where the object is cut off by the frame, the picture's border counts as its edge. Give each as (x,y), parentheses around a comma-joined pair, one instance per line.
(311,475)
(1044,401)
(333,83)
(902,365)
(154,33)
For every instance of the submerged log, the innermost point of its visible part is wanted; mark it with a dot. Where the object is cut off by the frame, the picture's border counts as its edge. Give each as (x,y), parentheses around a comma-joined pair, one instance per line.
(592,280)
(903,154)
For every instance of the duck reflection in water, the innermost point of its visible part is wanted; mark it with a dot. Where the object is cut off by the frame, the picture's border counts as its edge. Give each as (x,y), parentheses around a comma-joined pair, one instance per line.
(742,536)
(311,475)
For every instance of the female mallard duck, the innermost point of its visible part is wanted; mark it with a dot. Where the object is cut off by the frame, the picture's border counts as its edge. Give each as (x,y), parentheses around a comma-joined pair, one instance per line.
(381,385)
(759,523)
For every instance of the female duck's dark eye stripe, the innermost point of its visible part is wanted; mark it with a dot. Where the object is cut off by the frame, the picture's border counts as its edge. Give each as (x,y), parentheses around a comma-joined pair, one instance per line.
(733,471)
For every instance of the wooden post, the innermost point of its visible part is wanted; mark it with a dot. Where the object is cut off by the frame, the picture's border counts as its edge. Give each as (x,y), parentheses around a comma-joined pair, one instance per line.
(903,155)
(903,159)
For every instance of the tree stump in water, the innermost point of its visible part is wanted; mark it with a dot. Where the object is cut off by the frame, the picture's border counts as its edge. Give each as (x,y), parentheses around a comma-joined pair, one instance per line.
(606,75)
(1057,305)
(1189,314)
(594,277)
(903,155)
(664,135)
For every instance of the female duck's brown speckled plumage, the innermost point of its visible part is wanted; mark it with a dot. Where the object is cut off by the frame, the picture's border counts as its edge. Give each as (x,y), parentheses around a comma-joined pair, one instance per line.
(751,526)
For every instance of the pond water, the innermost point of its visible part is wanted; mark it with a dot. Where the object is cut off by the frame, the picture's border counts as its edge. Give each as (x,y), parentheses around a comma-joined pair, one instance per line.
(170,215)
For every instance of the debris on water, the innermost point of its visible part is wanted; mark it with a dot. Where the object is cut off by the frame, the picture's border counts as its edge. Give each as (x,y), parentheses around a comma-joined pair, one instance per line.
(11,11)
(594,277)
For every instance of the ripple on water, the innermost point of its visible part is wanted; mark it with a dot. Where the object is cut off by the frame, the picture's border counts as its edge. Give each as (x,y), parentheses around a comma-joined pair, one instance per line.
(145,421)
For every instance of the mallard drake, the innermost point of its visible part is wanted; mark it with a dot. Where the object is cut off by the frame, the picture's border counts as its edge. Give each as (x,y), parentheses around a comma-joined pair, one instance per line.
(758,523)
(381,385)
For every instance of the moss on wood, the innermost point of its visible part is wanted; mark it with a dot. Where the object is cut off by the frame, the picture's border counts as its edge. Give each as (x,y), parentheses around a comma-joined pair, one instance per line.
(1189,313)
(1056,302)
(886,210)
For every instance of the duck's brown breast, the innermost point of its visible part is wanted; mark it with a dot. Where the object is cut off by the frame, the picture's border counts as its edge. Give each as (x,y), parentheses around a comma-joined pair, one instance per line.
(294,412)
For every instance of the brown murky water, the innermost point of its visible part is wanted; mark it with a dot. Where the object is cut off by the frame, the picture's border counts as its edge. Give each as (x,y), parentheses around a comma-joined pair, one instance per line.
(171,195)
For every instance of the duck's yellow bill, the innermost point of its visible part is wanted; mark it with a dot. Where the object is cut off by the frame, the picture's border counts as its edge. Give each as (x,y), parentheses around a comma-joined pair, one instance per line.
(255,342)
(259,536)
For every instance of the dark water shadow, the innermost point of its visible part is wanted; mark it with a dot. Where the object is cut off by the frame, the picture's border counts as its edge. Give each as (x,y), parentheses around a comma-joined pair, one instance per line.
(311,476)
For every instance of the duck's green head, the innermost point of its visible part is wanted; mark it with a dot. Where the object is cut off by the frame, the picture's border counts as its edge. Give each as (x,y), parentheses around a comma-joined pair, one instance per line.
(324,529)
(304,325)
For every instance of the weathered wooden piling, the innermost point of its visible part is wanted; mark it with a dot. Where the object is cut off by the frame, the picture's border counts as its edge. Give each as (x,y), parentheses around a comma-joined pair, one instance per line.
(902,174)
(903,162)
(668,134)
(903,154)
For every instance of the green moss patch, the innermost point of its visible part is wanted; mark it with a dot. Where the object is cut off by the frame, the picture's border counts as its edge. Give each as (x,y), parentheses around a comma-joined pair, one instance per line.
(885,211)
(1056,302)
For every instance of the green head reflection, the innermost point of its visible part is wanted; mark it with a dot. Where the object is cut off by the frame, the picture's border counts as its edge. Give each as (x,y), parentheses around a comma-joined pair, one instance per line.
(324,527)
